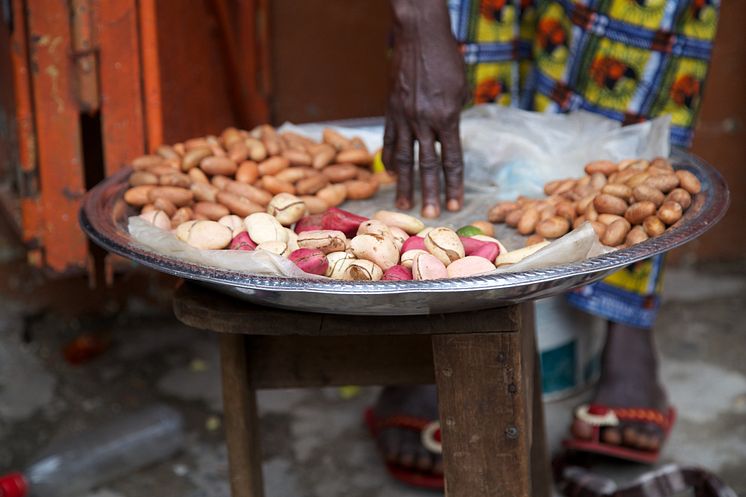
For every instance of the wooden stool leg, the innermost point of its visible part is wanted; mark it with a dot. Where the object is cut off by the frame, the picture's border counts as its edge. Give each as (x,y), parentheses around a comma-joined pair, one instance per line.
(241,420)
(484,413)
(541,481)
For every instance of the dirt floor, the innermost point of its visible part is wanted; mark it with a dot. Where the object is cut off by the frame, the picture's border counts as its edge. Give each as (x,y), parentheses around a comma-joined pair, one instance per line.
(314,440)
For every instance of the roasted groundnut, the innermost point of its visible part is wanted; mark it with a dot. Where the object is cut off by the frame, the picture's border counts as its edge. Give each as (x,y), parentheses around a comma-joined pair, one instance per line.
(637,212)
(314,204)
(337,173)
(637,179)
(293,174)
(333,195)
(513,217)
(256,195)
(354,156)
(311,185)
(139,178)
(181,215)
(211,210)
(193,157)
(527,222)
(534,239)
(609,204)
(681,197)
(166,206)
(633,165)
(323,155)
(175,179)
(599,228)
(663,182)
(238,205)
(208,235)
(645,192)
(601,166)
(275,186)
(615,233)
(485,227)
(147,161)
(198,176)
(177,196)
(598,180)
(607,219)
(689,181)
(273,165)
(653,226)
(554,227)
(247,172)
(566,210)
(636,235)
(670,212)
(499,211)
(359,190)
(298,158)
(617,190)
(218,165)
(286,208)
(138,195)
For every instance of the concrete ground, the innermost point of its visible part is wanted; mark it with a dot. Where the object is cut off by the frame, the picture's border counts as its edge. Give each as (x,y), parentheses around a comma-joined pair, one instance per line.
(314,440)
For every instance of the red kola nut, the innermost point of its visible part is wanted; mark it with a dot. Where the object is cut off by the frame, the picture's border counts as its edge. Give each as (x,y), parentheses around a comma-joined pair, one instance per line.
(309,223)
(413,243)
(341,220)
(472,245)
(489,251)
(242,241)
(310,260)
(397,273)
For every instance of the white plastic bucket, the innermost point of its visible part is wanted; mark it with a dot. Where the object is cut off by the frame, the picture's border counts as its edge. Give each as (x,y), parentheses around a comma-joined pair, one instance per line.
(570,342)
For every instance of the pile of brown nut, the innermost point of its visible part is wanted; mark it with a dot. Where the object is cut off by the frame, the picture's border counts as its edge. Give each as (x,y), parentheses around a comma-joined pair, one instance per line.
(626,203)
(240,171)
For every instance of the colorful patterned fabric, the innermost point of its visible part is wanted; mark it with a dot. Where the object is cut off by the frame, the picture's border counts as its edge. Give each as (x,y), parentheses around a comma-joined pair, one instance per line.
(629,60)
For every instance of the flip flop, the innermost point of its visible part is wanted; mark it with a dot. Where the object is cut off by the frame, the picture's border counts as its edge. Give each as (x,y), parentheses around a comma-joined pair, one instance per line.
(600,416)
(430,435)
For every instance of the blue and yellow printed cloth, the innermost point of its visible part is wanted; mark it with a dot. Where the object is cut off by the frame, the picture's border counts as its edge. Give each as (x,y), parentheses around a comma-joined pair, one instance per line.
(629,60)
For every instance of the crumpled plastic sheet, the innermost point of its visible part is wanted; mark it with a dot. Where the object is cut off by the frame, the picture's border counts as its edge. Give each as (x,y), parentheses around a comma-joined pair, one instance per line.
(507,152)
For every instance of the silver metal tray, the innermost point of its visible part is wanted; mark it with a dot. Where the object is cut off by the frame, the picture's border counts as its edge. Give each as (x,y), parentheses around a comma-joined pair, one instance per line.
(104,214)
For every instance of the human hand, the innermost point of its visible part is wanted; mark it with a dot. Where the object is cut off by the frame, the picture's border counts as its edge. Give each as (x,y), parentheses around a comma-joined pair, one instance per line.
(428,91)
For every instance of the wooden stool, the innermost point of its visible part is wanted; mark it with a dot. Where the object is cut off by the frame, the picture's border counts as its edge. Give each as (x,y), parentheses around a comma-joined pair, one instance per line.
(484,364)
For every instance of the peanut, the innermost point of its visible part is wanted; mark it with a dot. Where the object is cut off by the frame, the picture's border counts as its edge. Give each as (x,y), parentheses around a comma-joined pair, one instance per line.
(670,212)
(139,178)
(648,193)
(653,226)
(566,210)
(175,179)
(534,239)
(294,174)
(198,176)
(513,217)
(146,162)
(553,227)
(663,182)
(275,186)
(333,195)
(256,195)
(182,215)
(211,210)
(638,165)
(314,204)
(681,197)
(604,167)
(218,165)
(194,156)
(334,139)
(609,204)
(617,190)
(247,172)
(607,219)
(310,186)
(637,212)
(499,211)
(178,196)
(338,173)
(527,222)
(323,156)
(598,180)
(354,156)
(599,228)
(636,235)
(359,190)
(166,206)
(273,165)
(689,181)
(297,158)
(257,149)
(615,233)
(238,204)
(167,152)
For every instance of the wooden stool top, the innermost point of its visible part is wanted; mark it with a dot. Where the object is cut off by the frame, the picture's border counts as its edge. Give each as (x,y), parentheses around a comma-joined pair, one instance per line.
(206,309)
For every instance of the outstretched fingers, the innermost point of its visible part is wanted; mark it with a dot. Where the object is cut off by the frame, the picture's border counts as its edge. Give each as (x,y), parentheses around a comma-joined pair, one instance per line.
(403,160)
(453,166)
(429,174)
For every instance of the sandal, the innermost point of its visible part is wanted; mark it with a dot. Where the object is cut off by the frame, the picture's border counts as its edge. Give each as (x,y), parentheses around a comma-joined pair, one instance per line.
(430,435)
(600,417)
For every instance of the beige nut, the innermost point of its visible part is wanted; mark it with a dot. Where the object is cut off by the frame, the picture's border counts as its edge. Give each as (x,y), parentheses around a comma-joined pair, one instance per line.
(637,212)
(359,190)
(175,179)
(681,197)
(373,227)
(204,192)
(410,224)
(139,178)
(239,151)
(208,235)
(325,240)
(293,174)
(444,244)
(607,219)
(513,217)
(311,185)
(637,179)
(362,270)
(554,227)
(338,263)
(598,181)
(275,186)
(220,182)
(566,210)
(275,247)
(286,208)
(354,156)
(210,210)
(263,227)
(157,218)
(273,165)
(637,165)
(181,216)
(514,256)
(333,195)
(609,204)
(338,173)
(670,212)
(298,158)
(198,176)
(407,258)
(194,156)
(233,223)
(256,195)
(146,162)
(379,249)
(323,155)
(689,181)
(428,267)
(218,165)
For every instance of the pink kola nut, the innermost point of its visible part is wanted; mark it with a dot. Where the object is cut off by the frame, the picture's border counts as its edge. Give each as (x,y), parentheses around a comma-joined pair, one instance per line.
(472,245)
(310,260)
(470,265)
(242,241)
(428,267)
(489,251)
(397,273)
(413,243)
(309,223)
(341,220)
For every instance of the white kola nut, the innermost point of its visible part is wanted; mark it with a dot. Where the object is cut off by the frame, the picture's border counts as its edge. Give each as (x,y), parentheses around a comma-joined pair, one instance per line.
(362,270)
(275,247)
(263,227)
(407,258)
(338,263)
(286,208)
(327,241)
(157,218)
(409,224)
(400,236)
(292,240)
(373,227)
(208,235)
(424,232)
(444,244)
(376,248)
(233,223)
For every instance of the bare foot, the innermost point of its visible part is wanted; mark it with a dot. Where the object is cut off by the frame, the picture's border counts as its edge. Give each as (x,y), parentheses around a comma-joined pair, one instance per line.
(629,379)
